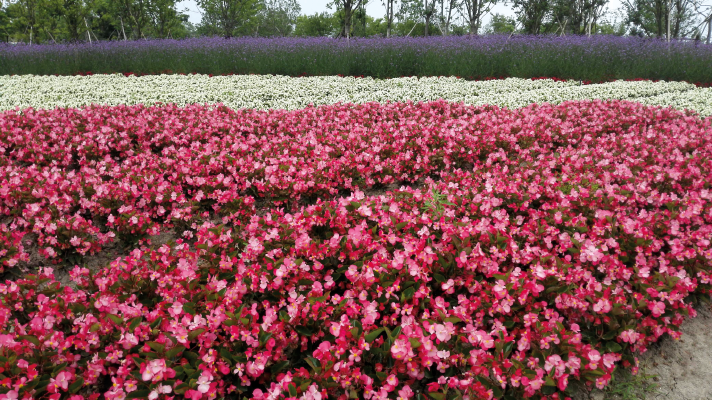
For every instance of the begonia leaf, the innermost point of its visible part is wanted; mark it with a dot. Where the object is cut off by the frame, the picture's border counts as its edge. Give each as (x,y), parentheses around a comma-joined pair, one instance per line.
(613,347)
(371,336)
(157,347)
(175,351)
(194,333)
(303,330)
(138,394)
(31,339)
(278,366)
(76,385)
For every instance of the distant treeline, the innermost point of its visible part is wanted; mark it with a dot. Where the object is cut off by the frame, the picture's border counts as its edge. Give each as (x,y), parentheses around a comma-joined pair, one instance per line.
(62,21)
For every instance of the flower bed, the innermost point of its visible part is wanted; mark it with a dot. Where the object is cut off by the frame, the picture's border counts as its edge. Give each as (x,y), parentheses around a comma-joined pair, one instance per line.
(594,58)
(281,92)
(545,245)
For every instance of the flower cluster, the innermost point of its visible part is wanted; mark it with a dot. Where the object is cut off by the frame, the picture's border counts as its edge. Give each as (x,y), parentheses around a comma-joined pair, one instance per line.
(272,92)
(545,246)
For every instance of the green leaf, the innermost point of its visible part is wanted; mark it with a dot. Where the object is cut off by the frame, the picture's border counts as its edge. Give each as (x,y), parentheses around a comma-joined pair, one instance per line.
(314,364)
(373,335)
(436,395)
(407,294)
(134,323)
(264,338)
(396,332)
(613,347)
(303,330)
(292,390)
(176,351)
(439,278)
(157,347)
(194,333)
(115,319)
(278,366)
(76,385)
(225,353)
(31,339)
(59,368)
(138,394)
(189,308)
(414,343)
(454,320)
(156,323)
(610,335)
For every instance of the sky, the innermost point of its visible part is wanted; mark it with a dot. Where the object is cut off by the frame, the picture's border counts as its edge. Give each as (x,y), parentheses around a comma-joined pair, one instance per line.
(376,9)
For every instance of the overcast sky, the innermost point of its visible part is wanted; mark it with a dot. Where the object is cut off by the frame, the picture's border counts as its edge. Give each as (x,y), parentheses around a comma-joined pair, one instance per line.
(376,9)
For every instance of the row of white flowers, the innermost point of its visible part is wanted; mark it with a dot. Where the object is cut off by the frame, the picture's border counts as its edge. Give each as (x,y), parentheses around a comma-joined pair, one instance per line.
(266,91)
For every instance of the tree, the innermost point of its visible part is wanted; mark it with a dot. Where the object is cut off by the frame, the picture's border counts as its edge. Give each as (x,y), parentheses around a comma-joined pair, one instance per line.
(418,10)
(229,17)
(661,18)
(389,4)
(277,17)
(473,12)
(444,18)
(531,14)
(323,24)
(576,16)
(501,24)
(347,7)
(74,15)
(26,16)
(164,17)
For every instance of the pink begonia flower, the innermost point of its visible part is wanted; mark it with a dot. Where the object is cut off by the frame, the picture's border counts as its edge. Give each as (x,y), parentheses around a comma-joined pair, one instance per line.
(443,332)
(155,370)
(573,364)
(196,395)
(405,393)
(562,382)
(61,381)
(609,359)
(11,395)
(629,336)
(392,380)
(7,341)
(401,349)
(204,382)
(555,361)
(657,308)
(591,253)
(602,306)
(312,393)
(161,389)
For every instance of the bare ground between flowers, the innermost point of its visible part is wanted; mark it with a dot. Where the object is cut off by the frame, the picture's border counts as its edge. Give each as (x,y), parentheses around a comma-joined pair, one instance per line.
(669,370)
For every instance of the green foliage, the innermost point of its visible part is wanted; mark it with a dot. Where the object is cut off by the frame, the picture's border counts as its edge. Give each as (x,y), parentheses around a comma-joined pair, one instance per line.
(277,17)
(319,24)
(500,24)
(229,18)
(626,386)
(58,21)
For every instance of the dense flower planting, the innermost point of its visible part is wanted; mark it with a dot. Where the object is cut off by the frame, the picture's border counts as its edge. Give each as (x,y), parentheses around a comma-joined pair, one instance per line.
(270,92)
(542,248)
(594,58)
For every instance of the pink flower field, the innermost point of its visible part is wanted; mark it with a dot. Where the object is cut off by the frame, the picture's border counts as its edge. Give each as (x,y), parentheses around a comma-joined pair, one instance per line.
(379,251)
